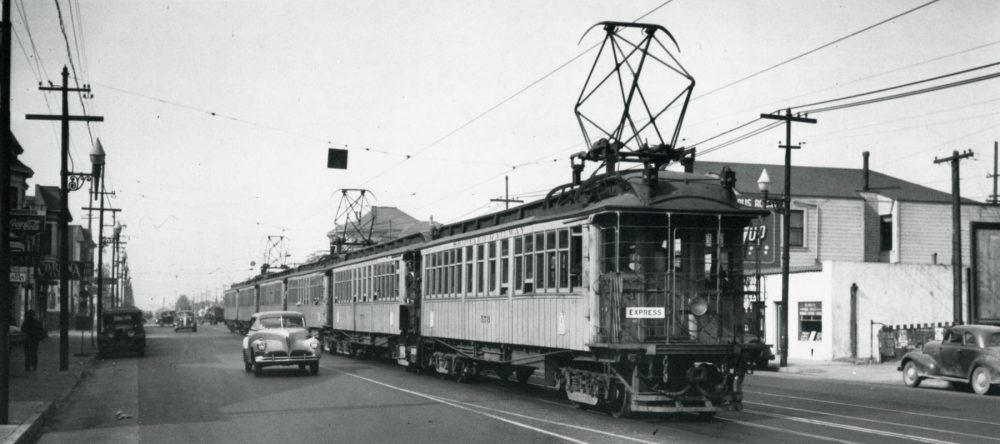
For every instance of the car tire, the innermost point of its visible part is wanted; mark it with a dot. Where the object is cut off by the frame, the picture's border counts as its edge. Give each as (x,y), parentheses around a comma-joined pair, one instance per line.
(247,364)
(911,375)
(194,330)
(314,368)
(980,380)
(257,370)
(142,352)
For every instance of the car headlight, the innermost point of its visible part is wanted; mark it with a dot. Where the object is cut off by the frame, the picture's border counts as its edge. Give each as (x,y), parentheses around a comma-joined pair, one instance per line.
(110,333)
(260,346)
(314,343)
(130,333)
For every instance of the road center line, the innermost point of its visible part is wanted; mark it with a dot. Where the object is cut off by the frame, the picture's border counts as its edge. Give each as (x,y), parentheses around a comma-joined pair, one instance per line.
(858,418)
(950,418)
(781,430)
(468,409)
(852,428)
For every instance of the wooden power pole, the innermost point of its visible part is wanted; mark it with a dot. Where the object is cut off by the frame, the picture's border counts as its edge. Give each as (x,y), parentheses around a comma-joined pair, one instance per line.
(64,118)
(956,233)
(786,213)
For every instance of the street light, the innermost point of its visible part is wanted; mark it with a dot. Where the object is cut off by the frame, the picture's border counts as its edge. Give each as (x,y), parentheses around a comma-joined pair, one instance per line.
(76,180)
(764,184)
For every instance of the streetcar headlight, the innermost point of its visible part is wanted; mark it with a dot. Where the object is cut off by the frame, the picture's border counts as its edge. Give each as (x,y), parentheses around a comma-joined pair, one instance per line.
(698,306)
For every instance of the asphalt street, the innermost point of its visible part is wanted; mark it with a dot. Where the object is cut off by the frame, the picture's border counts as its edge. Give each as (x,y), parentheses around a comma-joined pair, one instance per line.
(191,387)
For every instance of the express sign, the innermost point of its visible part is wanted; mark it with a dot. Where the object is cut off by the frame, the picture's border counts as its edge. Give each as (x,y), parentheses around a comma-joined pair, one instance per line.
(645,313)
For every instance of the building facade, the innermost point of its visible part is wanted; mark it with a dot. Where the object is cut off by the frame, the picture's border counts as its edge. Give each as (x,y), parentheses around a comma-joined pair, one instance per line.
(866,250)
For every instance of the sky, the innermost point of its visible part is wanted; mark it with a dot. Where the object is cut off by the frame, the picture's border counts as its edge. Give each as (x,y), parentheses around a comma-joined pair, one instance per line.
(218,114)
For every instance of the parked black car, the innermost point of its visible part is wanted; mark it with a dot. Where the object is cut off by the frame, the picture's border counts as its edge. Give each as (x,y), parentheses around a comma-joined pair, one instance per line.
(122,331)
(969,354)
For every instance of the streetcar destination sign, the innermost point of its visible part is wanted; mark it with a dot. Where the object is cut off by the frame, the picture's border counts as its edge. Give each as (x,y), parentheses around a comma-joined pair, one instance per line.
(645,313)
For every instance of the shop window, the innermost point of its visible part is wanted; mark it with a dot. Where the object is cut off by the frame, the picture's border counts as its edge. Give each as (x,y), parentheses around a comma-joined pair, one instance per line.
(810,321)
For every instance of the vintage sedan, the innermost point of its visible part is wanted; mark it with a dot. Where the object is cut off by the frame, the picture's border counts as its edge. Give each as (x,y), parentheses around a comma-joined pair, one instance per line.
(186,320)
(280,338)
(122,331)
(968,354)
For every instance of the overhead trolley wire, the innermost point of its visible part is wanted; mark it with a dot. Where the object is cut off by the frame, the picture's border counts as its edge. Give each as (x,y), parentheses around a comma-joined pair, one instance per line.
(904,85)
(867,28)
(904,94)
(502,102)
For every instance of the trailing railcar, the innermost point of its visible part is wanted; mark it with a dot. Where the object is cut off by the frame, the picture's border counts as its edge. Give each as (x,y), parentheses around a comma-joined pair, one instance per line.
(306,292)
(229,309)
(246,306)
(271,294)
(374,298)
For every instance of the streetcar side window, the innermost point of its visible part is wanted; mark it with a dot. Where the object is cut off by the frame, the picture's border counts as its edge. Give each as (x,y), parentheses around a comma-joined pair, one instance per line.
(576,258)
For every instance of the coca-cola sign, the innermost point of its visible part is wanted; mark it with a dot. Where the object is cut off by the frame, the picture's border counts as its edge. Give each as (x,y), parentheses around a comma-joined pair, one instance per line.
(27,224)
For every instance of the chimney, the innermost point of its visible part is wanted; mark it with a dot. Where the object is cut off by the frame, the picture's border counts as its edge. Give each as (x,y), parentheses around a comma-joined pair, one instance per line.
(865,169)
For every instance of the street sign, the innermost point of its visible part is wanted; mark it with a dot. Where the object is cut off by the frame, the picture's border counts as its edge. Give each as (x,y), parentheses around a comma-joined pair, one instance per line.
(20,274)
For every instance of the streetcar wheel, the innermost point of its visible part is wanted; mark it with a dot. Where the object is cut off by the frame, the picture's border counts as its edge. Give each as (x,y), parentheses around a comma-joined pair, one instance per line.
(980,380)
(911,376)
(504,373)
(619,400)
(524,374)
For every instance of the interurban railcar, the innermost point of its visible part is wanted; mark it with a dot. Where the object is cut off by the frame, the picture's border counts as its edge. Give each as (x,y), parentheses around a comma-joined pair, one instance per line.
(622,292)
(626,292)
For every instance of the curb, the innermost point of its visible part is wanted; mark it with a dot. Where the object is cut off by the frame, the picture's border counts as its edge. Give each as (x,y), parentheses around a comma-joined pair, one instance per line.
(31,429)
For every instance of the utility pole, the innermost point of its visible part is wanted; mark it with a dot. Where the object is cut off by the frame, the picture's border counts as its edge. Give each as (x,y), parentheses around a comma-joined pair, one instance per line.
(65,118)
(994,175)
(100,256)
(786,212)
(506,200)
(956,232)
(6,158)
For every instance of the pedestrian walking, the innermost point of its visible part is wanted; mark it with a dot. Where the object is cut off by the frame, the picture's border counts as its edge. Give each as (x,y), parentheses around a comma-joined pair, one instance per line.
(33,334)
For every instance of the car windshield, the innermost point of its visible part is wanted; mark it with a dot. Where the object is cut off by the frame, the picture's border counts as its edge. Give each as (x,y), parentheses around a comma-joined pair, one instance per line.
(118,319)
(282,322)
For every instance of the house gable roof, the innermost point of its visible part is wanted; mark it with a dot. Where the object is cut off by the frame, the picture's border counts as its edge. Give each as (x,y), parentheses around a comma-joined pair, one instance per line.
(825,182)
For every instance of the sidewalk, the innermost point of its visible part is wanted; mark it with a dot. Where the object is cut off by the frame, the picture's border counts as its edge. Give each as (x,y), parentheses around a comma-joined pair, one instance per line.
(844,370)
(33,396)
